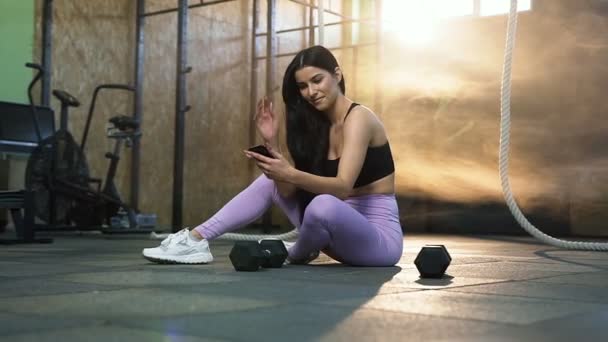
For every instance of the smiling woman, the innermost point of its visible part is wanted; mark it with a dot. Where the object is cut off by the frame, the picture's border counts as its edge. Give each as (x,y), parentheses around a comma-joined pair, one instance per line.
(339,192)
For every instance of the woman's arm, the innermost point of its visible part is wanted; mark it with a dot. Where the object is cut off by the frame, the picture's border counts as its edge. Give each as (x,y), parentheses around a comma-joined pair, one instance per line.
(357,134)
(285,189)
(320,185)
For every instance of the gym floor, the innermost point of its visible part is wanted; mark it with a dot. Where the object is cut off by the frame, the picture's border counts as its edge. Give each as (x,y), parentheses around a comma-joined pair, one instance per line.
(98,288)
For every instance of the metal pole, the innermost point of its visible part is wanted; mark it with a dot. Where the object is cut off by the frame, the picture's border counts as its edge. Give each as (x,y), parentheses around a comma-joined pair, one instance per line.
(271,48)
(140,21)
(171,10)
(379,59)
(355,78)
(180,110)
(253,94)
(271,51)
(325,10)
(347,37)
(311,24)
(343,47)
(320,11)
(47,51)
(301,28)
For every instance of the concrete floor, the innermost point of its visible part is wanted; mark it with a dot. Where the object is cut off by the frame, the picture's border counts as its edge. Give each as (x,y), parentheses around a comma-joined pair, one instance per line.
(98,288)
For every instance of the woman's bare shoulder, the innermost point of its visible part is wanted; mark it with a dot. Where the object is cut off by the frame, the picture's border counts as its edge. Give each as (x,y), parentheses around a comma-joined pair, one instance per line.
(366,115)
(361,113)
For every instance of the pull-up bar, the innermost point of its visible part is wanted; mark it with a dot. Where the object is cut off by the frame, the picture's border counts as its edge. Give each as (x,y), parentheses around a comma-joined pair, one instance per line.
(323,9)
(344,47)
(201,4)
(371,21)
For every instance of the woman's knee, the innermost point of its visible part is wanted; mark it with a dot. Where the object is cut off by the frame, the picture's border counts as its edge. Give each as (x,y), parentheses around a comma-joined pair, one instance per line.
(322,207)
(263,184)
(262,180)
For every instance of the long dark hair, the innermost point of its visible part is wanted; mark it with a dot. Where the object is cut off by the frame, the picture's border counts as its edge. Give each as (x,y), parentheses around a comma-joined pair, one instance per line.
(307,127)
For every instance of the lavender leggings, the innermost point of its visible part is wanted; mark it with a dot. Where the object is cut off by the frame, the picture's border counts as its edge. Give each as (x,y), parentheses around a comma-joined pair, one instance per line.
(360,231)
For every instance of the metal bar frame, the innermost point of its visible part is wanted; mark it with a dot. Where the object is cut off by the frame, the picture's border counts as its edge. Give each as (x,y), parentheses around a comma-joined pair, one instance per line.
(47,51)
(303,33)
(311,23)
(180,102)
(140,21)
(271,47)
(183,69)
(308,27)
(254,76)
(324,9)
(271,66)
(378,98)
(351,46)
(171,10)
(181,108)
(321,21)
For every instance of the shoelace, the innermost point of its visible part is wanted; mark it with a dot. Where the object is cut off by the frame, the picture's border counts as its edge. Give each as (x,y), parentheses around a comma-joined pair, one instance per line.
(181,234)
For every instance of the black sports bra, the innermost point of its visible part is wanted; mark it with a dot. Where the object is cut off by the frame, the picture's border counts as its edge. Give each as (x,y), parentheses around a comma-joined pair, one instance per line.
(377,165)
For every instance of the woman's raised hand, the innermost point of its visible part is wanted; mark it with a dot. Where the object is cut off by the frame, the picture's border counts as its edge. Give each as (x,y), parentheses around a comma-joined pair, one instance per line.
(266,122)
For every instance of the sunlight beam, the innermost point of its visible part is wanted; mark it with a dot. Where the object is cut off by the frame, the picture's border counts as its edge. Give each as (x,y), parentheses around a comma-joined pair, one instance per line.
(416,21)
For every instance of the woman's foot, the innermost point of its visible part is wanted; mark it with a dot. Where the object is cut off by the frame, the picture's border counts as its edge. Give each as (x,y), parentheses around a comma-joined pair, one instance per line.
(180,248)
(304,261)
(311,257)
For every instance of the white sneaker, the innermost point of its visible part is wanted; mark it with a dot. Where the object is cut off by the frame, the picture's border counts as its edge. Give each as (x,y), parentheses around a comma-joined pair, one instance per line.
(180,248)
(311,257)
(288,244)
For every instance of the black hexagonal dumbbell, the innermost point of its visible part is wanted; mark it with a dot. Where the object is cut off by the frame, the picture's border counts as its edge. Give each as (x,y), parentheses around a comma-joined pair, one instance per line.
(251,255)
(275,253)
(432,261)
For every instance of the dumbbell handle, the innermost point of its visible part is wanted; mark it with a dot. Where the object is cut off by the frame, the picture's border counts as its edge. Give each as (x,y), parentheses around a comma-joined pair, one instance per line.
(269,259)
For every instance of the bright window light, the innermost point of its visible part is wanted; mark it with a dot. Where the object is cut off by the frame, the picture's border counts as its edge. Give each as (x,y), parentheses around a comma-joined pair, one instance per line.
(497,7)
(415,21)
(453,8)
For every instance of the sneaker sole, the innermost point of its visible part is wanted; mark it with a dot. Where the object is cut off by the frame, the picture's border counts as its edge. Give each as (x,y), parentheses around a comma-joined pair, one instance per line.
(190,260)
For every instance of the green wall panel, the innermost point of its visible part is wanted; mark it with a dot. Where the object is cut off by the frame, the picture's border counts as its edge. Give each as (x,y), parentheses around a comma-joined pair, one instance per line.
(16,43)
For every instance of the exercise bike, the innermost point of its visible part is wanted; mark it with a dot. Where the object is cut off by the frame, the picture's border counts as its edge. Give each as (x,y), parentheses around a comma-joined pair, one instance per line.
(64,195)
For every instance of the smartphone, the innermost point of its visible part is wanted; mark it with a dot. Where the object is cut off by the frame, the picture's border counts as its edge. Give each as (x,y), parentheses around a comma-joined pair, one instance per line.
(261,149)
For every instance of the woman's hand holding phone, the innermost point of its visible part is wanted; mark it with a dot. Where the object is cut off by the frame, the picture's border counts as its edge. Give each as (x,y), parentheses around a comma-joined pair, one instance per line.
(271,162)
(261,149)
